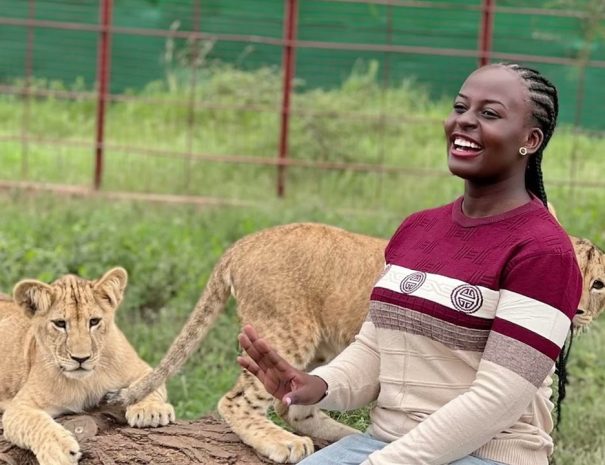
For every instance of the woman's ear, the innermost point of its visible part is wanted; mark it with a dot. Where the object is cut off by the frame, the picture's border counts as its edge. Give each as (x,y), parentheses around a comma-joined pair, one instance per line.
(109,289)
(33,296)
(534,140)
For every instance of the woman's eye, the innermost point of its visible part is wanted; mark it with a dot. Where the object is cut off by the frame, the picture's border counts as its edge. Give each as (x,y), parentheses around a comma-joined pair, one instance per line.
(490,114)
(598,284)
(94,321)
(459,108)
(61,324)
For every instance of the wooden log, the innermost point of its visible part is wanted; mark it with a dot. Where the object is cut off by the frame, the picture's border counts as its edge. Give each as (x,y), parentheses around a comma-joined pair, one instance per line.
(106,440)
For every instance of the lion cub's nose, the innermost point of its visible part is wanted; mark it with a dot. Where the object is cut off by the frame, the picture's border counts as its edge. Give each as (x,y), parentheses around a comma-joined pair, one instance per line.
(579,311)
(80,360)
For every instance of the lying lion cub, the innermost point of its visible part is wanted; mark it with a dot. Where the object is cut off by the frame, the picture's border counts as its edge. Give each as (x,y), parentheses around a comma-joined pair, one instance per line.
(61,352)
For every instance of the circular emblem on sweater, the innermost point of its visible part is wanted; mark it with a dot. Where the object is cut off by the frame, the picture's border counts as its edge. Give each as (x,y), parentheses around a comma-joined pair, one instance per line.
(467,298)
(412,282)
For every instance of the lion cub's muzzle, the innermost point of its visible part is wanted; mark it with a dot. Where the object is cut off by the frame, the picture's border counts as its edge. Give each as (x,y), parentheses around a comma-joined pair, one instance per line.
(581,320)
(78,367)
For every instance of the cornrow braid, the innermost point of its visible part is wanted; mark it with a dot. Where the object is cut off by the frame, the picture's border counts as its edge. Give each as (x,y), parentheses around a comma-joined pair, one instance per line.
(543,95)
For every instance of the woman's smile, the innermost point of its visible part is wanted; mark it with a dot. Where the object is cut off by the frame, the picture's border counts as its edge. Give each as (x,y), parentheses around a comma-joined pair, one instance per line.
(488,123)
(462,146)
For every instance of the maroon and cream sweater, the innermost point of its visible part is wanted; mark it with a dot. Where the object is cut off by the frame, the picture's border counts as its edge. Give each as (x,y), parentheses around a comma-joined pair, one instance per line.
(463,331)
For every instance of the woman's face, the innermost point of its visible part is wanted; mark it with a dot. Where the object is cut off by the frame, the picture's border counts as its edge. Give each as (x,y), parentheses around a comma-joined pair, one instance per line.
(488,124)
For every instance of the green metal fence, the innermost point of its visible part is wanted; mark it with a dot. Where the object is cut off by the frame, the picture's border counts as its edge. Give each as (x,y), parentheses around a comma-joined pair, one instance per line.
(434,42)
(103,54)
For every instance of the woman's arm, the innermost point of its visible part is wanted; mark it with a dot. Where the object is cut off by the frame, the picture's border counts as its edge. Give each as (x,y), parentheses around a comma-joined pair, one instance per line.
(349,381)
(352,377)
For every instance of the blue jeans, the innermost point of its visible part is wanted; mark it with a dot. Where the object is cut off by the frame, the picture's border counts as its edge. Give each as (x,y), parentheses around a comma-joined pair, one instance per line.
(354,449)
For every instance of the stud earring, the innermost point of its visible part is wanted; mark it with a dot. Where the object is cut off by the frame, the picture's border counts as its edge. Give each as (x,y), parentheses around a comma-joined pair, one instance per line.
(523,151)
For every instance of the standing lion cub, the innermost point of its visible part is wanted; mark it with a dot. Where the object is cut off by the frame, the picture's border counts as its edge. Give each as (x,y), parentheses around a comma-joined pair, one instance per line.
(61,352)
(305,287)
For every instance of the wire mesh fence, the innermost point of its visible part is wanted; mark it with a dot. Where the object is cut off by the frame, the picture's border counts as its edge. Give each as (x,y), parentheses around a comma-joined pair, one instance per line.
(240,100)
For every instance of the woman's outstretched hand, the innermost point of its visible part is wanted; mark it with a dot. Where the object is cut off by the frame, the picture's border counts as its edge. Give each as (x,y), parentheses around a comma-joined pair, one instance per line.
(281,380)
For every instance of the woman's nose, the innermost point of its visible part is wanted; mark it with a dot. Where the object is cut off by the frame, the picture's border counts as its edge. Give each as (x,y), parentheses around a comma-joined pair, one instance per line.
(466,119)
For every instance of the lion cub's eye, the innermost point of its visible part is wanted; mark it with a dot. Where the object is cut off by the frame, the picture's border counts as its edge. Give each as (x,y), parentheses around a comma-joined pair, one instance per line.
(94,322)
(61,324)
(598,284)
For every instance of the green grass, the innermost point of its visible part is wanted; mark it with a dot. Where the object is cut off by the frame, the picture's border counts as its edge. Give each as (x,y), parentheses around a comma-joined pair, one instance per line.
(324,128)
(169,251)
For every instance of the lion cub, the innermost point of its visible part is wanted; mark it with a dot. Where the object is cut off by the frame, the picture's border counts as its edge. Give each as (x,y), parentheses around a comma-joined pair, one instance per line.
(305,287)
(61,352)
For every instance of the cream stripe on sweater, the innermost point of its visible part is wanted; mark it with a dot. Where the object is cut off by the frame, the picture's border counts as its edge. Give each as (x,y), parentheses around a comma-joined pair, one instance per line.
(487,410)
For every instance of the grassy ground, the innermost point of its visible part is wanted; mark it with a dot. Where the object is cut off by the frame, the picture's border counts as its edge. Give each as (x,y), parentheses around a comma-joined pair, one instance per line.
(324,129)
(169,251)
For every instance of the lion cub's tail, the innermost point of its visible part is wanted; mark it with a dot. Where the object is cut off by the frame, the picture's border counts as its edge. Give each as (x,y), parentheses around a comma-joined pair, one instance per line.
(206,310)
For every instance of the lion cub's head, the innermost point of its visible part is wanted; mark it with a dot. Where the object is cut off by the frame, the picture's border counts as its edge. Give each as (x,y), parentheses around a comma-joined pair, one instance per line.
(591,260)
(71,318)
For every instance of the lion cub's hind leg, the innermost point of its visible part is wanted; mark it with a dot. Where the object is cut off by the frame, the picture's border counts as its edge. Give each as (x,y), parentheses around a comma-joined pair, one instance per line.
(244,408)
(310,420)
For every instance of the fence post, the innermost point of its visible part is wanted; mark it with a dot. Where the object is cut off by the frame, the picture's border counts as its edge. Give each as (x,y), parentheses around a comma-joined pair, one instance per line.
(29,71)
(486,32)
(194,61)
(288,62)
(103,74)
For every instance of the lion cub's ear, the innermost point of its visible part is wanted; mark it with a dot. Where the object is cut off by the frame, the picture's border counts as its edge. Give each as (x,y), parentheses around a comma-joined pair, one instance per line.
(109,289)
(33,296)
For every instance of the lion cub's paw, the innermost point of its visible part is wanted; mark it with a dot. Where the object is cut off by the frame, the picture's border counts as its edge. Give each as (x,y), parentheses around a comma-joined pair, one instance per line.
(292,451)
(150,413)
(62,449)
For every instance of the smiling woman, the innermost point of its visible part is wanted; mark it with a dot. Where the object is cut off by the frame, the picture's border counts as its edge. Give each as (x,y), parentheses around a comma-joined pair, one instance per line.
(493,133)
(472,310)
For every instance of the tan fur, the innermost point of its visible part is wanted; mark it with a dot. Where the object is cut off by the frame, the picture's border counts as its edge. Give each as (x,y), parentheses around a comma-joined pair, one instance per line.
(592,264)
(43,330)
(305,287)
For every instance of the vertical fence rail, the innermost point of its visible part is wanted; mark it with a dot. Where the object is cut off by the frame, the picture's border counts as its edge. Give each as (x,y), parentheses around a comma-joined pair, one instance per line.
(590,26)
(486,31)
(195,61)
(103,74)
(29,71)
(288,63)
(573,163)
(386,81)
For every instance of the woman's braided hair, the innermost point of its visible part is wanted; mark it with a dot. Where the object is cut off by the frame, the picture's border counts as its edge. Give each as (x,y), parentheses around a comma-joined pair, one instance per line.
(544,98)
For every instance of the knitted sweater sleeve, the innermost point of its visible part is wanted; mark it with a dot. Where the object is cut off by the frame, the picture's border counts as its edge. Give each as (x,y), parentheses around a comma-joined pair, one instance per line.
(533,318)
(352,377)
